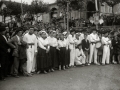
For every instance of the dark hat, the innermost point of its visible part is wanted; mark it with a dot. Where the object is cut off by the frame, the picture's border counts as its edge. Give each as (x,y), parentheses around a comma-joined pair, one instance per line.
(100,31)
(105,31)
(77,31)
(72,31)
(84,30)
(2,28)
(93,30)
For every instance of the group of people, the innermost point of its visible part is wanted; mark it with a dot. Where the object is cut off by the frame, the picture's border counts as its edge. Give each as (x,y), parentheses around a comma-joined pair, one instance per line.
(37,51)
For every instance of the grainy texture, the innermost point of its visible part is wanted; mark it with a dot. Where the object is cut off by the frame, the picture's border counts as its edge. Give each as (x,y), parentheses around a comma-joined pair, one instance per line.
(79,78)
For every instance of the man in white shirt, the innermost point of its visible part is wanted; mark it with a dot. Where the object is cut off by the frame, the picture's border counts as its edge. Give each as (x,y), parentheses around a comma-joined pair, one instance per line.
(106,48)
(93,39)
(31,40)
(71,39)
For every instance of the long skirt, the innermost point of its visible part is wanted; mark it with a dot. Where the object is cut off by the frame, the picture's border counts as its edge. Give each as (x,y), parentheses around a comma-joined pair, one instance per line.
(53,55)
(67,57)
(62,58)
(42,63)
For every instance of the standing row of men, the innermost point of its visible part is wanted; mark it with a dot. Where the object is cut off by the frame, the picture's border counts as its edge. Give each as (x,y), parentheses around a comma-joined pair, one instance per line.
(35,51)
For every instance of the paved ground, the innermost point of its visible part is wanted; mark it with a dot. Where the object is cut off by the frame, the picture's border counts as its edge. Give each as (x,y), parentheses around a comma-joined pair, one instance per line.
(79,78)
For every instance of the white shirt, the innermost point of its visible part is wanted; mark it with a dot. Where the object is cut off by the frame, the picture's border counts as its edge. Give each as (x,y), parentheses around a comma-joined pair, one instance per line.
(94,38)
(42,43)
(52,41)
(30,39)
(61,43)
(71,40)
(106,40)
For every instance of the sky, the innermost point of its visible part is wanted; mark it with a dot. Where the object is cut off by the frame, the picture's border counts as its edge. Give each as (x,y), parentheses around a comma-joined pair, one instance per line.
(29,1)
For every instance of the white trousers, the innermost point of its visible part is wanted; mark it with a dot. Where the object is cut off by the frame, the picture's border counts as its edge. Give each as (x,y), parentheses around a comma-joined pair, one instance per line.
(106,54)
(34,64)
(95,55)
(92,50)
(72,57)
(30,58)
(80,61)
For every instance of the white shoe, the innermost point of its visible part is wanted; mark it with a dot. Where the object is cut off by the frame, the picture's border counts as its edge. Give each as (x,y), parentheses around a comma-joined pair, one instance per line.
(88,64)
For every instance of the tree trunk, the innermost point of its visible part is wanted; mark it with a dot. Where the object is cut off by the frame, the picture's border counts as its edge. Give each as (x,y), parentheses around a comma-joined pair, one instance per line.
(67,16)
(113,16)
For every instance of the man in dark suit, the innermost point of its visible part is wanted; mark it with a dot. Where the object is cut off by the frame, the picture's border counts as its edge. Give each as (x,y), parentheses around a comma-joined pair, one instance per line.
(86,47)
(14,42)
(3,53)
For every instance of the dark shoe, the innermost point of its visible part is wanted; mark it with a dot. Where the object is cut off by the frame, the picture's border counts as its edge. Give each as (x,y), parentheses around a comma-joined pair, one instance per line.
(16,76)
(103,64)
(2,79)
(29,75)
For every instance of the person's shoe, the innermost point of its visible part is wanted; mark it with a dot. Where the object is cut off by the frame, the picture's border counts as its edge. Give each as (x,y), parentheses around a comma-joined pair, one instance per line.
(16,76)
(45,72)
(97,64)
(38,72)
(67,67)
(33,72)
(49,71)
(82,65)
(88,64)
(64,68)
(52,70)
(103,64)
(59,68)
(29,75)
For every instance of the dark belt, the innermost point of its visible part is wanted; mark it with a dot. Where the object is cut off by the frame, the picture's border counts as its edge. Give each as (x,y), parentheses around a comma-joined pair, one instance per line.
(92,43)
(79,55)
(105,45)
(31,44)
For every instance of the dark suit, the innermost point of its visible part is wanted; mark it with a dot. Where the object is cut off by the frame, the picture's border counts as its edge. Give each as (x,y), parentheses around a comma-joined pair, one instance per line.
(86,45)
(3,56)
(14,42)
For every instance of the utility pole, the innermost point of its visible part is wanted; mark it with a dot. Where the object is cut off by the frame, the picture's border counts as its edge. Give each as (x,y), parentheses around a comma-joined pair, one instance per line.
(22,11)
(67,15)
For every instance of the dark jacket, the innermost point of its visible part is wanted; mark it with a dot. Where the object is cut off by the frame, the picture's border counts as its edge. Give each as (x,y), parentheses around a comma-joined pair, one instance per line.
(3,45)
(85,44)
(3,49)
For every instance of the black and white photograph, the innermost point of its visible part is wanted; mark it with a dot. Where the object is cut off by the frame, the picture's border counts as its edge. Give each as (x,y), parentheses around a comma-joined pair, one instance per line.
(59,44)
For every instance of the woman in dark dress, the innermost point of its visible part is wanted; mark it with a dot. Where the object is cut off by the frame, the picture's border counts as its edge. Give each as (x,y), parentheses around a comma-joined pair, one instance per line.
(53,51)
(62,52)
(43,49)
(67,52)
